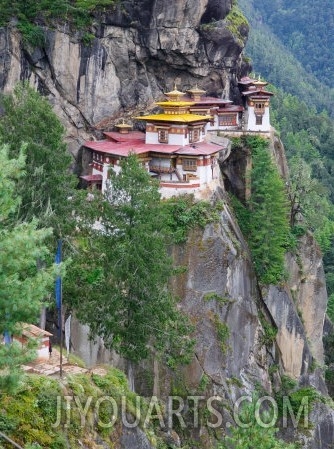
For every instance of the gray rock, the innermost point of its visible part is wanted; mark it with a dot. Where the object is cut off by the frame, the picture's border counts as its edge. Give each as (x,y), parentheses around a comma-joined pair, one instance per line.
(139,51)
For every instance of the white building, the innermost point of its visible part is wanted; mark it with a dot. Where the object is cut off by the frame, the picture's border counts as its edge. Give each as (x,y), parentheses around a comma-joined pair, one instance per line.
(257,99)
(176,145)
(174,148)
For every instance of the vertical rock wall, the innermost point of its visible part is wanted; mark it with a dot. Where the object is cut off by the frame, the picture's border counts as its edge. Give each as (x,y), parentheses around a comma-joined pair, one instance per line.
(138,52)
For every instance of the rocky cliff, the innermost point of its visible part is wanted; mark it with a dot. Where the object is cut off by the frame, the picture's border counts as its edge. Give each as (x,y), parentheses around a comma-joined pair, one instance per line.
(247,338)
(135,53)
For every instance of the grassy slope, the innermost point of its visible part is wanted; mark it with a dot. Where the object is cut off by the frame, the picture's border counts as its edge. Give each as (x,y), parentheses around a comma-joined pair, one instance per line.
(28,416)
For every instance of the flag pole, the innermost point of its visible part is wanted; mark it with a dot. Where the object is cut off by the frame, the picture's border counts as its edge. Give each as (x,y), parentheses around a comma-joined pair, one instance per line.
(61,332)
(59,301)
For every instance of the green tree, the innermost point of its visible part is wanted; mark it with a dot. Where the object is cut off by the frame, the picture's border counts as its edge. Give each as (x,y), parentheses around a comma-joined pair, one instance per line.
(118,282)
(28,117)
(264,218)
(22,284)
(254,430)
(304,193)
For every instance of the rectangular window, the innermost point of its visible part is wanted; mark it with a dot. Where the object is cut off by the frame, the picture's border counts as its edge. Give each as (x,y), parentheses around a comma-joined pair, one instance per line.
(194,135)
(258,119)
(163,136)
(227,120)
(189,164)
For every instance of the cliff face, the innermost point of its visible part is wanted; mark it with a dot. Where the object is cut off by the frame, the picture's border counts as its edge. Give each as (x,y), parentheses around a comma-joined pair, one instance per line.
(234,354)
(138,52)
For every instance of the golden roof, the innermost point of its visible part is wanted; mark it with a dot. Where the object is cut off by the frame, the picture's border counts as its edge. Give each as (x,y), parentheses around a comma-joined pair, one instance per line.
(259,83)
(175,103)
(183,118)
(123,125)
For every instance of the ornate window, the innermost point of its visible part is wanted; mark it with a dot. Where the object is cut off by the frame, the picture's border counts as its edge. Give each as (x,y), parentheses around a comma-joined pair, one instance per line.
(259,108)
(189,164)
(194,135)
(227,120)
(163,135)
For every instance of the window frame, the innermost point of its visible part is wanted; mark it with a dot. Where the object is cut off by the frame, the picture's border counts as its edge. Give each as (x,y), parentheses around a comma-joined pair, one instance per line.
(189,164)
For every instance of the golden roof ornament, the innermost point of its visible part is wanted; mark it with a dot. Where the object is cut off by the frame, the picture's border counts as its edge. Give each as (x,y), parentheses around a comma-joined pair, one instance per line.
(174,95)
(196,93)
(123,128)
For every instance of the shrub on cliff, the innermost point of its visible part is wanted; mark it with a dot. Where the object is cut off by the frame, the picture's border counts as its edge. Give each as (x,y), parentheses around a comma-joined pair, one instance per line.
(264,218)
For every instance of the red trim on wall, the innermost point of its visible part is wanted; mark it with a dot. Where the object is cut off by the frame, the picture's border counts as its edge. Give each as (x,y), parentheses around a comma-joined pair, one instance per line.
(178,186)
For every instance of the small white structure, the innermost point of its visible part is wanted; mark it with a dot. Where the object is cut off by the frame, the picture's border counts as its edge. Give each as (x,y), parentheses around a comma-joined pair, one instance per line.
(256,116)
(30,331)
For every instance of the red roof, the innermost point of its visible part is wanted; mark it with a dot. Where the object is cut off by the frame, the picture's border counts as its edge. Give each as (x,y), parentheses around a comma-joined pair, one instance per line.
(258,93)
(91,178)
(162,148)
(138,147)
(232,108)
(199,149)
(117,149)
(209,100)
(30,330)
(246,80)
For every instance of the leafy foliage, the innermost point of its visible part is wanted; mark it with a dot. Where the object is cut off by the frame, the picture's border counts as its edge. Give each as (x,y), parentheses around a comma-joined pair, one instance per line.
(184,213)
(296,396)
(22,284)
(308,136)
(28,117)
(264,218)
(277,63)
(269,331)
(77,12)
(304,25)
(223,333)
(29,416)
(118,282)
(252,433)
(237,23)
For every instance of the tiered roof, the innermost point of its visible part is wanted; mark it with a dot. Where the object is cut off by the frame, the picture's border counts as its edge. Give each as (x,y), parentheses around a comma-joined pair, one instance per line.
(254,87)
(132,144)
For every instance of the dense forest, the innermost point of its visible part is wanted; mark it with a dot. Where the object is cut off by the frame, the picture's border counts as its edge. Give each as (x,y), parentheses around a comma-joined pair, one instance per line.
(278,62)
(305,28)
(290,45)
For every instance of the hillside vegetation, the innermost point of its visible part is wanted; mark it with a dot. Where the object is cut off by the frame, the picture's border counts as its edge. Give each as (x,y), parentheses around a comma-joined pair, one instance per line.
(291,45)
(277,61)
(31,15)
(80,411)
(301,25)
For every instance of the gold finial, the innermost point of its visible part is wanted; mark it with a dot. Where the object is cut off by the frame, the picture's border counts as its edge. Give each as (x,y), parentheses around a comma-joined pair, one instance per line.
(123,127)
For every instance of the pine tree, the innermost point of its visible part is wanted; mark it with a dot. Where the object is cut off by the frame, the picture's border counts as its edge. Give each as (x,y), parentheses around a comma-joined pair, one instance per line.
(28,117)
(123,270)
(22,284)
(264,220)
